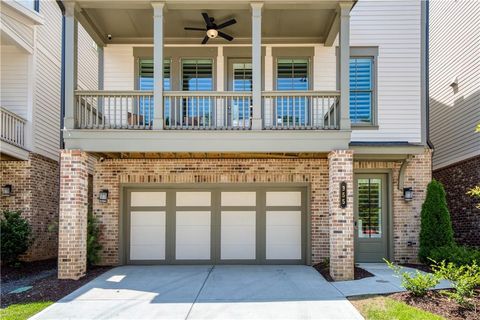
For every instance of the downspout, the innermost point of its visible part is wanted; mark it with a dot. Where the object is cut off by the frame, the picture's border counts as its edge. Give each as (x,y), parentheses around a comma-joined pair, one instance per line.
(427,73)
(62,77)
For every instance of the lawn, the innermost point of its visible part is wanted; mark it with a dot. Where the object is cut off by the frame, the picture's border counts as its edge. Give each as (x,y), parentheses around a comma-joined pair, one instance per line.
(384,308)
(22,311)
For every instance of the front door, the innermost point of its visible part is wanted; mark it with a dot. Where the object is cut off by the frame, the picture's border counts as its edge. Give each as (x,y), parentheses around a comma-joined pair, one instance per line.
(371,214)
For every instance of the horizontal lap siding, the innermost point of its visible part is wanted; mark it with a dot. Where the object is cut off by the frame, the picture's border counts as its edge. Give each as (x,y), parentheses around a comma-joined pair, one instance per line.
(14,80)
(47,68)
(454,52)
(87,61)
(395,28)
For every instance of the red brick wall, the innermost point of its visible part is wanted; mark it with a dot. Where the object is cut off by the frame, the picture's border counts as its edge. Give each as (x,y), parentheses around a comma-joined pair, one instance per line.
(457,179)
(109,174)
(35,193)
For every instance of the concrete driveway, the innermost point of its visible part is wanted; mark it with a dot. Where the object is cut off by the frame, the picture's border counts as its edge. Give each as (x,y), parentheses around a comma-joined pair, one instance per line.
(205,292)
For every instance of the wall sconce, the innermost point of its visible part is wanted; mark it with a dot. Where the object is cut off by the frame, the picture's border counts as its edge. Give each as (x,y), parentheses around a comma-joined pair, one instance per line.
(103,196)
(7,190)
(407,194)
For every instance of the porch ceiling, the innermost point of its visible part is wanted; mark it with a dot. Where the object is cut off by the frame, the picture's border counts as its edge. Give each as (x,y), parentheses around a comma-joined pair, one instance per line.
(132,21)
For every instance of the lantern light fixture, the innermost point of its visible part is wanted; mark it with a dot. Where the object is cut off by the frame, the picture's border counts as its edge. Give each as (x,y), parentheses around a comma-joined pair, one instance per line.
(103,196)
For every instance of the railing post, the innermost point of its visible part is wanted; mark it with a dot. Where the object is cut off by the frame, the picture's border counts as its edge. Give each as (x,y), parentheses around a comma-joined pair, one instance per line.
(257,64)
(158,64)
(70,64)
(344,43)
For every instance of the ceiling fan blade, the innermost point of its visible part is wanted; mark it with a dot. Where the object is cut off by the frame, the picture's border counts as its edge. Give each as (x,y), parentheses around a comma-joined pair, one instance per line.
(225,36)
(195,29)
(207,19)
(205,40)
(226,24)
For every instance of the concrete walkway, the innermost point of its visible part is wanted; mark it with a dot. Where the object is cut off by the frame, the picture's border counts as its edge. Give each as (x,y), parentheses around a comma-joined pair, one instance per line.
(205,292)
(384,281)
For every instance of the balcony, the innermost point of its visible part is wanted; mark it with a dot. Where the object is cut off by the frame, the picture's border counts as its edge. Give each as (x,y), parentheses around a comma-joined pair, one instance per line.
(13,137)
(174,115)
(134,110)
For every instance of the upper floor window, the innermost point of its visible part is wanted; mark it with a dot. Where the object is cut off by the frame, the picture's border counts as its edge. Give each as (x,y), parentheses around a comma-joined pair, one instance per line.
(197,75)
(31,4)
(362,90)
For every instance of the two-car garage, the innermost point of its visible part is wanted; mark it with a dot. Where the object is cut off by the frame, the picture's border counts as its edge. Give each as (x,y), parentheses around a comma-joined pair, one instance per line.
(215,224)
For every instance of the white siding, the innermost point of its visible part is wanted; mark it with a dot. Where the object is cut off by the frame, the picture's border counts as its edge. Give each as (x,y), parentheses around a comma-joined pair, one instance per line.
(454,53)
(47,66)
(395,27)
(87,61)
(23,32)
(119,67)
(14,80)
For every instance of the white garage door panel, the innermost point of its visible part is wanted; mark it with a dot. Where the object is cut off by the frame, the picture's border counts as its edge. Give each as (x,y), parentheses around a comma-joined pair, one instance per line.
(147,235)
(238,235)
(192,239)
(239,198)
(283,235)
(284,198)
(148,199)
(193,199)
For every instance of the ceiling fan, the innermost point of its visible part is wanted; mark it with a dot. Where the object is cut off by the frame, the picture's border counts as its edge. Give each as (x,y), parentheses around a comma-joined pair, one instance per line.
(212,29)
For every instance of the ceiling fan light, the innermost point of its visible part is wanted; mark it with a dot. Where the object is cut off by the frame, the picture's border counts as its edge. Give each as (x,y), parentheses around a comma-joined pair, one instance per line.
(212,33)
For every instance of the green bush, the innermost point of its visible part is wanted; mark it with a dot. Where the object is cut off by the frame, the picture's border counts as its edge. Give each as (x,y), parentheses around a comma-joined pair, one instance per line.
(464,279)
(16,236)
(436,226)
(93,245)
(418,283)
(458,255)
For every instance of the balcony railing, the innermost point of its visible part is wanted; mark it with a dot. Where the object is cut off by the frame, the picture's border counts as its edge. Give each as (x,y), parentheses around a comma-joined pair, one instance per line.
(185,110)
(308,110)
(12,128)
(207,110)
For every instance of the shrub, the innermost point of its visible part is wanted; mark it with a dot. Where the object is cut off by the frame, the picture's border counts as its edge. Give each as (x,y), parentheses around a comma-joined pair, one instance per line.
(418,283)
(458,255)
(16,236)
(93,245)
(464,279)
(436,226)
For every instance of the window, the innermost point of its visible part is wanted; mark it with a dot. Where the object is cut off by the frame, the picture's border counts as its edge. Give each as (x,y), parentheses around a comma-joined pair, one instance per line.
(30,4)
(369,208)
(361,90)
(292,75)
(197,75)
(145,82)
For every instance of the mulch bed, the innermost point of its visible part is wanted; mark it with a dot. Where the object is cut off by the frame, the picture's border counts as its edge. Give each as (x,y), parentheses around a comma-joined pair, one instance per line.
(50,288)
(26,269)
(323,269)
(438,303)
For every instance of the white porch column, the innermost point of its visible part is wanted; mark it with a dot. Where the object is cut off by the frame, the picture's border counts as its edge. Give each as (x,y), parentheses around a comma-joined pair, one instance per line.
(71,53)
(257,64)
(158,64)
(344,44)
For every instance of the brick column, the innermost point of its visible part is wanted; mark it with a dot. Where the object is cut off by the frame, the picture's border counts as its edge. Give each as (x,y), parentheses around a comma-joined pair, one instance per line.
(72,237)
(340,168)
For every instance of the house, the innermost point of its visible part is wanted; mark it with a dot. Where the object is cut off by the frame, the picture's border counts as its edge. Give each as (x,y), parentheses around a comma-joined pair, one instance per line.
(301,139)
(30,95)
(454,90)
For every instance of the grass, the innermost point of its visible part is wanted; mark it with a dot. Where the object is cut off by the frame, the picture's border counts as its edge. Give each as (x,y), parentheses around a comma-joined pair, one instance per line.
(22,311)
(383,308)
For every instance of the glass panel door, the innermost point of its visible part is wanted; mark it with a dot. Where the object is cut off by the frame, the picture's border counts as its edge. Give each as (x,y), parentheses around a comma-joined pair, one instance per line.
(371,212)
(197,75)
(145,82)
(292,75)
(240,79)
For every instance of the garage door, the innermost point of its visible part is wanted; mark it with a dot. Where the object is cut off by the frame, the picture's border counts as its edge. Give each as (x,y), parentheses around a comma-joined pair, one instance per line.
(222,224)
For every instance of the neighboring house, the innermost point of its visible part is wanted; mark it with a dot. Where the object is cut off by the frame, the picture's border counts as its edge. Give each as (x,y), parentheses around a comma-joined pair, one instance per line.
(454,85)
(30,95)
(301,140)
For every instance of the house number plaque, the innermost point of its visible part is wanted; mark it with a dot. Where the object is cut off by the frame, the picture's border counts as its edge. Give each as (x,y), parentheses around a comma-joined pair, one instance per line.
(343,194)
